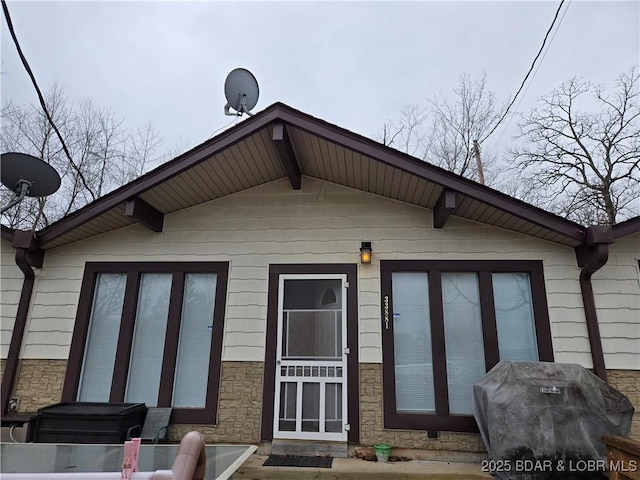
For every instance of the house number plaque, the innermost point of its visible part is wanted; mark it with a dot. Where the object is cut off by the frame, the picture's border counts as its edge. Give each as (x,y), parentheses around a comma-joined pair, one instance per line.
(386,312)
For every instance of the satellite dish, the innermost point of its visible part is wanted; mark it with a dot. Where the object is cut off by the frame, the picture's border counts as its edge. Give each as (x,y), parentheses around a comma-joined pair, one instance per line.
(241,90)
(27,176)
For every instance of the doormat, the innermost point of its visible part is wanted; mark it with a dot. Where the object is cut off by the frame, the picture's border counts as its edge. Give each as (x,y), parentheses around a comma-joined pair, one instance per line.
(297,461)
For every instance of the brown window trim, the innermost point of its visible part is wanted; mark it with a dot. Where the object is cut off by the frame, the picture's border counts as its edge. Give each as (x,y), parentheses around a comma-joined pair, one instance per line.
(353,367)
(206,415)
(442,420)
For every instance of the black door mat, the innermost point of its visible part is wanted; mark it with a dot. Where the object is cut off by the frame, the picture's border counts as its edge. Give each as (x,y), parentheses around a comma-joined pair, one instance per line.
(297,461)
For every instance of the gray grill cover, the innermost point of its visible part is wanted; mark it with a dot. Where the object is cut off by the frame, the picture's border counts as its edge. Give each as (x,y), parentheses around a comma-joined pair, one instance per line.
(547,411)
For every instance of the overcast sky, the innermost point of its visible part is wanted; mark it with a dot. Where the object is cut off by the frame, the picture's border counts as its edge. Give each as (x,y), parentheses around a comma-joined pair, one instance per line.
(355,64)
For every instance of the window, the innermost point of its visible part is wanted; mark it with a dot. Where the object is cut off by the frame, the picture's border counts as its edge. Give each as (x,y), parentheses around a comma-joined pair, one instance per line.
(150,333)
(445,324)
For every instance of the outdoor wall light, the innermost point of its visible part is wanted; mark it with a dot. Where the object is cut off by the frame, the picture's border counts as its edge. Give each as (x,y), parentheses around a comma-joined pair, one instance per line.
(365,252)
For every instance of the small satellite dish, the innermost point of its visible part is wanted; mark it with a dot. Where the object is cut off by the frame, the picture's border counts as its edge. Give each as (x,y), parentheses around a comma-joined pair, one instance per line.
(241,90)
(27,176)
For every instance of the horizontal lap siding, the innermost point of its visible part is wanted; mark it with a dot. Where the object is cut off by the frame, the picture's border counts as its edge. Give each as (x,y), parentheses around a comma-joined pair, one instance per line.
(321,223)
(11,279)
(616,287)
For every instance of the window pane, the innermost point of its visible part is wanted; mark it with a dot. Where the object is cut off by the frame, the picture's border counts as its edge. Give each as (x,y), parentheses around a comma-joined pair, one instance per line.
(463,338)
(333,407)
(514,317)
(312,323)
(102,339)
(310,407)
(288,400)
(312,334)
(412,342)
(192,365)
(148,339)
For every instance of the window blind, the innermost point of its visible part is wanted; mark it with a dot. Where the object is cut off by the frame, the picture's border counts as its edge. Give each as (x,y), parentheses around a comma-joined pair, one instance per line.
(102,339)
(150,329)
(412,342)
(514,317)
(463,338)
(194,346)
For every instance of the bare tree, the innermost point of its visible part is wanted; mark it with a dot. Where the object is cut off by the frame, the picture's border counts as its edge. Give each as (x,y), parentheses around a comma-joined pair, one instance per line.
(409,134)
(444,133)
(103,154)
(457,124)
(586,162)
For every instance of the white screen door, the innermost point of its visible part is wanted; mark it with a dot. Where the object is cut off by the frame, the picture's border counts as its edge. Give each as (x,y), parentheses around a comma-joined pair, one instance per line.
(311,367)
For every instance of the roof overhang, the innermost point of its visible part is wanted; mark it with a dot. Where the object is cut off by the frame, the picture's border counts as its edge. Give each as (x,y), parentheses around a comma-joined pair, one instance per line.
(281,142)
(628,227)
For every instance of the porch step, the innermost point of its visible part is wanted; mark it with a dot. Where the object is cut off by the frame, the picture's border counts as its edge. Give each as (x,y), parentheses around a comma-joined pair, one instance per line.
(309,448)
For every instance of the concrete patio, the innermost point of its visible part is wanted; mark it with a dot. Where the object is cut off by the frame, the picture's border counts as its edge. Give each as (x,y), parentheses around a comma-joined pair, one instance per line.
(358,469)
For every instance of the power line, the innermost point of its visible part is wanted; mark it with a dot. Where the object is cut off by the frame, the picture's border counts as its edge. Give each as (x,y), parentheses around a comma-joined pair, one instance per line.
(25,63)
(535,72)
(544,41)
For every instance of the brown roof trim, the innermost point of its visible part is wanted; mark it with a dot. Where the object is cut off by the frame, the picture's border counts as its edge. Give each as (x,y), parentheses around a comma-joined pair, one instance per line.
(7,233)
(297,119)
(628,227)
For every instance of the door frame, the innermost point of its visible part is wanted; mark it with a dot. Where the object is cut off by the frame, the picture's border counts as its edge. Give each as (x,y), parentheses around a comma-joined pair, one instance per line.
(353,373)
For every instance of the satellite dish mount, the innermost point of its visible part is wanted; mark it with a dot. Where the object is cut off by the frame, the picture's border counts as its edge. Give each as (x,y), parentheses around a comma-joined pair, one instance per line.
(241,91)
(20,191)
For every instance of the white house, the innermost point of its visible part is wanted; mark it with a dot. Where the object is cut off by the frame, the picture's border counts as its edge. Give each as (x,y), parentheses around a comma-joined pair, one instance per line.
(228,284)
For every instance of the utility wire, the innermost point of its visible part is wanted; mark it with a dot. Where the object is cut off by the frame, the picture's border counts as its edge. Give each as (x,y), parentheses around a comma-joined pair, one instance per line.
(234,121)
(535,72)
(544,41)
(7,17)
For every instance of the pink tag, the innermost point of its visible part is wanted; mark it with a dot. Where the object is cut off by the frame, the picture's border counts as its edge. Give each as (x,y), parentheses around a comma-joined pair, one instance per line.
(135,454)
(127,461)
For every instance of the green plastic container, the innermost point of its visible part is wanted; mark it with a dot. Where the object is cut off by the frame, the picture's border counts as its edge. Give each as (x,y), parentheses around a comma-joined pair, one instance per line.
(382,452)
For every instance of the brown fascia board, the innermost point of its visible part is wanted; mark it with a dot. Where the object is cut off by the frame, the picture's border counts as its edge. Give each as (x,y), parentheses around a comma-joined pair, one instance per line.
(628,227)
(297,119)
(7,233)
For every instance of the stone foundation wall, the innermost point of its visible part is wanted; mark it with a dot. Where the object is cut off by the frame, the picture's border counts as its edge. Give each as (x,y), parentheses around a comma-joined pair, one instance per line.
(628,382)
(39,383)
(239,406)
(371,421)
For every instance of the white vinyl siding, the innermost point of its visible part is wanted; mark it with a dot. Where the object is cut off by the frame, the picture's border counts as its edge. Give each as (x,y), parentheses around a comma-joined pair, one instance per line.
(325,223)
(11,280)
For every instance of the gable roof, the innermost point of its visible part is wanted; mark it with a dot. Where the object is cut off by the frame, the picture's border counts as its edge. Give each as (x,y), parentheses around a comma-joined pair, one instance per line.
(281,142)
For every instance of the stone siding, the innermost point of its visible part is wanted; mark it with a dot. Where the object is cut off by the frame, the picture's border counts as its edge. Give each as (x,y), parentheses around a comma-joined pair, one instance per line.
(628,382)
(239,406)
(371,421)
(39,383)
